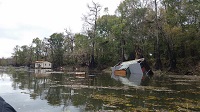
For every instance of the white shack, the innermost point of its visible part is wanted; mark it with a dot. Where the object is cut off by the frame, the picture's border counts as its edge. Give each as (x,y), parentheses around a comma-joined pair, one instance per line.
(43,64)
(136,71)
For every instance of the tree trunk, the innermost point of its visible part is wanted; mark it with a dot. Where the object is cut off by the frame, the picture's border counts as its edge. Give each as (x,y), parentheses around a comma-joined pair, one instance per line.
(92,62)
(158,64)
(138,52)
(122,50)
(172,57)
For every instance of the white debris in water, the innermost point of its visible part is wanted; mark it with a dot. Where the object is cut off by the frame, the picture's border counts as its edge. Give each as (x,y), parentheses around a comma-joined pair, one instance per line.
(125,81)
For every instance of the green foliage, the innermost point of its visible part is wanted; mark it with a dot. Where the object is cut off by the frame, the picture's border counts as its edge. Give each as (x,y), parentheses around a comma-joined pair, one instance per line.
(3,62)
(38,48)
(81,44)
(135,27)
(56,43)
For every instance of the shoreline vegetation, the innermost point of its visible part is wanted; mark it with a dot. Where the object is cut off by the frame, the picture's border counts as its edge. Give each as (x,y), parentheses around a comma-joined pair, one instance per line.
(165,33)
(175,91)
(190,70)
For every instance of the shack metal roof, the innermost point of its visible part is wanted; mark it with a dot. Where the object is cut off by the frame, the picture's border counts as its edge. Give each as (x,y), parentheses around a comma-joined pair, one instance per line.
(125,65)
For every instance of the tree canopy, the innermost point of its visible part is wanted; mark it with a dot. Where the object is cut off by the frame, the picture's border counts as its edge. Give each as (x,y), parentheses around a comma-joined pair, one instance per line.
(165,32)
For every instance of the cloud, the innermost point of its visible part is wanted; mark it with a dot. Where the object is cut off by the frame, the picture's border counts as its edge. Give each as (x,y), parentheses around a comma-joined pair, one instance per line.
(19,31)
(23,20)
(51,14)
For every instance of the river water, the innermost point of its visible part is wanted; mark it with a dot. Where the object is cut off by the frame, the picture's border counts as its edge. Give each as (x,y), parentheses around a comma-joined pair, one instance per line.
(62,92)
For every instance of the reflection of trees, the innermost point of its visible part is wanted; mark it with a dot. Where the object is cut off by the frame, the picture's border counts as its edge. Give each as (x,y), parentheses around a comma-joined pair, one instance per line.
(1,75)
(58,89)
(35,85)
(86,94)
(54,95)
(20,80)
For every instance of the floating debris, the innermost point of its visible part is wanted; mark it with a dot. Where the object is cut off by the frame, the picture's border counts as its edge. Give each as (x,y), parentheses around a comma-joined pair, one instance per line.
(135,72)
(111,99)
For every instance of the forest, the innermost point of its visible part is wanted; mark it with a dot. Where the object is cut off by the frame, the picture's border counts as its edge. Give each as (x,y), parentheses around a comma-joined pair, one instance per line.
(165,32)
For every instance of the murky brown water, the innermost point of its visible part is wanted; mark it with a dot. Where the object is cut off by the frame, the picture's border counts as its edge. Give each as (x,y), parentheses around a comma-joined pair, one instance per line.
(30,92)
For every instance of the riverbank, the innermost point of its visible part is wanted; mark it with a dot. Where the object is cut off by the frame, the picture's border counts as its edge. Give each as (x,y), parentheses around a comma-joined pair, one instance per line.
(54,92)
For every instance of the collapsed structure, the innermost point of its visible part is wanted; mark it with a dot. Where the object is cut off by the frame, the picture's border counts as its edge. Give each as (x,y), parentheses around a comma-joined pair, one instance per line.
(136,71)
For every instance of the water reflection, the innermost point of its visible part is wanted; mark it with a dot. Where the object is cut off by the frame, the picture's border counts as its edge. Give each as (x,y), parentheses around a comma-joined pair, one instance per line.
(66,92)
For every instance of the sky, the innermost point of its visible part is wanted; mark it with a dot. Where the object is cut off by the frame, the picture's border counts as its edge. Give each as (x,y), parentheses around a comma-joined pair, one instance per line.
(23,20)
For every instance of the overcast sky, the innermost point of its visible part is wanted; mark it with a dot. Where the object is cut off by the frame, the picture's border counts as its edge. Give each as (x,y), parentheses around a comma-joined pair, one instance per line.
(23,20)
